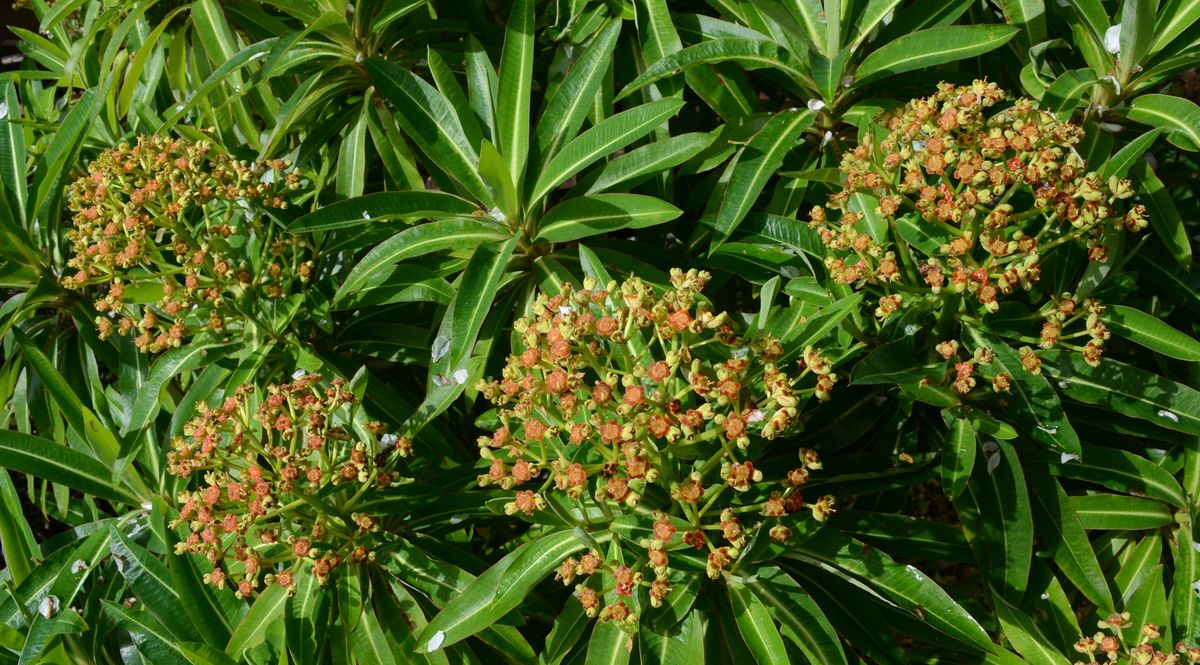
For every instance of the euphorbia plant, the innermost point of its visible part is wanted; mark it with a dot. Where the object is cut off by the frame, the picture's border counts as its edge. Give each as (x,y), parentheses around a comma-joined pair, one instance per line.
(649,412)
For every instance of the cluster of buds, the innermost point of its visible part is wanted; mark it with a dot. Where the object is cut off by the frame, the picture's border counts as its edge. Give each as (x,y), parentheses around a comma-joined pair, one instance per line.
(619,396)
(1112,646)
(1063,312)
(953,202)
(273,483)
(168,231)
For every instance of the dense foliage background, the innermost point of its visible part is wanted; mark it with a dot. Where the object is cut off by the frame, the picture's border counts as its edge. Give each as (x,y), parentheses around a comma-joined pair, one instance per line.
(349,332)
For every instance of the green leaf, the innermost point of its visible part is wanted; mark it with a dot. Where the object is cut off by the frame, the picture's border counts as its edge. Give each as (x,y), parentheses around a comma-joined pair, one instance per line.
(367,640)
(801,618)
(1180,117)
(1173,20)
(1063,534)
(679,645)
(755,625)
(754,166)
(568,107)
(42,633)
(998,521)
(171,364)
(252,630)
(17,542)
(568,628)
(1120,513)
(12,153)
(382,206)
(54,165)
(958,455)
(1024,634)
(894,362)
(59,464)
(500,182)
(498,590)
(1164,216)
(639,163)
(1124,471)
(903,585)
(585,216)
(933,46)
(750,54)
(81,418)
(1027,14)
(1064,95)
(516,83)
(459,330)
(1149,331)
(607,645)
(1137,33)
(608,136)
(430,121)
(450,234)
(1125,389)
(1185,603)
(1119,164)
(151,639)
(352,157)
(151,582)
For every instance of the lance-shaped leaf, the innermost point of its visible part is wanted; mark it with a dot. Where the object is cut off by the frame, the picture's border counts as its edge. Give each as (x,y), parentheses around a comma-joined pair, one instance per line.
(252,630)
(755,625)
(1064,537)
(998,521)
(585,216)
(151,582)
(1179,116)
(754,166)
(641,163)
(459,330)
(934,46)
(903,585)
(380,206)
(516,83)
(104,444)
(1118,512)
(574,97)
(430,121)
(958,455)
(1126,389)
(1164,216)
(450,234)
(498,590)
(1022,631)
(59,464)
(608,136)
(168,366)
(802,620)
(152,640)
(747,53)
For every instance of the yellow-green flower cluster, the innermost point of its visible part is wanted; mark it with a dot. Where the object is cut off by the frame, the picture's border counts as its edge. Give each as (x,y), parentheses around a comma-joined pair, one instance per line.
(625,400)
(168,231)
(275,484)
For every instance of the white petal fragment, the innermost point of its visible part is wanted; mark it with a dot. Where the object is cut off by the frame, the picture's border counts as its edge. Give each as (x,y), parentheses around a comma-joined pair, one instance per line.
(1112,39)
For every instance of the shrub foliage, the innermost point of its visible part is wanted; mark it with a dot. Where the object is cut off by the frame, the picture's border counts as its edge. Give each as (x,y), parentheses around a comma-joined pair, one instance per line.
(600,331)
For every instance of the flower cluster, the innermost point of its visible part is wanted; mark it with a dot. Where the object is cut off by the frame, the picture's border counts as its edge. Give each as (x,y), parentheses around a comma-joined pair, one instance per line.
(168,231)
(276,481)
(955,204)
(622,398)
(1112,647)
